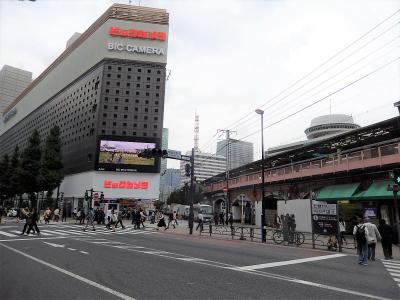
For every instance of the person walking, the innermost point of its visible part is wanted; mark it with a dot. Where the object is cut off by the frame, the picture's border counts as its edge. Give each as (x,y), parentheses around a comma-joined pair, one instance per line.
(386,232)
(1,212)
(25,214)
(90,220)
(112,220)
(74,214)
(119,220)
(56,214)
(200,220)
(82,217)
(161,223)
(372,237)
(174,218)
(170,220)
(77,216)
(143,218)
(33,222)
(342,228)
(221,218)
(64,214)
(47,215)
(360,231)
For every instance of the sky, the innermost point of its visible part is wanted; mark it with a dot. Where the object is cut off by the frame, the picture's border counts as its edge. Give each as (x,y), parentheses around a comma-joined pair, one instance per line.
(295,60)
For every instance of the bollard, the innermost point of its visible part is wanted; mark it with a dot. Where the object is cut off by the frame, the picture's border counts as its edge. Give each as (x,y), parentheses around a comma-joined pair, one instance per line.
(251,233)
(241,234)
(210,229)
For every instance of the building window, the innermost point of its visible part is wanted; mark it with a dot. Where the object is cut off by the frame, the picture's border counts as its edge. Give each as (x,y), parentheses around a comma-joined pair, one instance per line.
(134,125)
(119,68)
(158,72)
(148,78)
(115,107)
(114,123)
(116,99)
(125,116)
(156,102)
(144,134)
(134,133)
(128,77)
(109,67)
(105,106)
(113,132)
(129,69)
(115,116)
(139,70)
(149,71)
(158,79)
(126,108)
(147,94)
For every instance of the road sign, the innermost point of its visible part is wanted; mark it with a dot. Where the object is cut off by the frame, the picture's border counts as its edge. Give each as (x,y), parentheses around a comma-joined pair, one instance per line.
(225,189)
(174,154)
(96,195)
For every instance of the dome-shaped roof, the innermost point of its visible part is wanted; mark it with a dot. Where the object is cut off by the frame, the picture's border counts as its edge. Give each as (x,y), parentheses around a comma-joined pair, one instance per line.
(332,119)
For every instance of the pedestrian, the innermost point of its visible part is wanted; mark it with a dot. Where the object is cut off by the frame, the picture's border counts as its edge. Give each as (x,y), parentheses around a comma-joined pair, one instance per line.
(25,214)
(102,217)
(1,212)
(230,220)
(221,218)
(170,220)
(143,218)
(119,220)
(278,222)
(174,218)
(112,220)
(64,214)
(161,223)
(56,214)
(360,232)
(33,222)
(47,215)
(372,237)
(216,218)
(90,220)
(342,228)
(82,218)
(137,219)
(74,213)
(77,216)
(133,216)
(200,220)
(386,232)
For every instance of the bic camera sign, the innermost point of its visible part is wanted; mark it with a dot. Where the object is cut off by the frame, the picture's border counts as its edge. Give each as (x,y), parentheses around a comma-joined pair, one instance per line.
(138,34)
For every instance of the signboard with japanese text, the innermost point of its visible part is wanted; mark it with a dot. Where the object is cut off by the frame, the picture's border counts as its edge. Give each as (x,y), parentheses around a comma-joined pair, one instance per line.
(324,218)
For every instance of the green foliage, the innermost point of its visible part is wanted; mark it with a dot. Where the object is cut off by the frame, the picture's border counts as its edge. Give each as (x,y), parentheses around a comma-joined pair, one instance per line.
(4,177)
(158,204)
(30,164)
(182,196)
(50,174)
(14,170)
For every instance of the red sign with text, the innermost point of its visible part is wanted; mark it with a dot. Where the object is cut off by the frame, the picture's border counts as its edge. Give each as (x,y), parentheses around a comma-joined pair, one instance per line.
(124,184)
(137,33)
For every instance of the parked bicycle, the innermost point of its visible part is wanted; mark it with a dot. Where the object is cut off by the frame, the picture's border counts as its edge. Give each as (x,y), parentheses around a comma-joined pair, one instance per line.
(296,237)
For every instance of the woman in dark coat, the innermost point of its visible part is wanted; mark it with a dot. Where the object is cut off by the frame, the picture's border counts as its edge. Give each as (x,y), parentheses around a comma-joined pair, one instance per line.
(386,232)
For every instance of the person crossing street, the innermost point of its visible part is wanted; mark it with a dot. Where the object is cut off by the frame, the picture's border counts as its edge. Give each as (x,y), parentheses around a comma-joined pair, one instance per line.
(90,220)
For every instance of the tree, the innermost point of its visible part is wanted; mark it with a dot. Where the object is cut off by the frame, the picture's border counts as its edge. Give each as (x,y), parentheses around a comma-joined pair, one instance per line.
(50,174)
(30,167)
(15,172)
(158,204)
(182,196)
(4,178)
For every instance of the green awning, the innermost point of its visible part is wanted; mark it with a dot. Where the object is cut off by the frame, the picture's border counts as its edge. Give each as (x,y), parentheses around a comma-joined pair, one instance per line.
(377,191)
(337,192)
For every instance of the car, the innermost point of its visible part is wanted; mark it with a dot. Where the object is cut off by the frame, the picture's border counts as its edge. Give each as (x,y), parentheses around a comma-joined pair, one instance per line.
(12,212)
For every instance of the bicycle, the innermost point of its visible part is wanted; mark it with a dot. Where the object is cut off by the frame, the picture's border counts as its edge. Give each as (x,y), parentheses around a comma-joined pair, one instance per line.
(296,237)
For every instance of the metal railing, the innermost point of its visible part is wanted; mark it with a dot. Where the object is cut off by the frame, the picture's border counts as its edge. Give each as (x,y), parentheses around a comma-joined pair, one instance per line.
(277,236)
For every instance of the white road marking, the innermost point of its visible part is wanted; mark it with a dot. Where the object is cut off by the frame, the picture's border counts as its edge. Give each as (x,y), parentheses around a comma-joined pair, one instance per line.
(55,245)
(84,252)
(396,279)
(386,263)
(289,262)
(6,233)
(393,267)
(73,275)
(72,249)
(36,238)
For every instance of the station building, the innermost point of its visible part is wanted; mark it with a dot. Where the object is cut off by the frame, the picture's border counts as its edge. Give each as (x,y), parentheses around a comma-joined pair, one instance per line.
(106,94)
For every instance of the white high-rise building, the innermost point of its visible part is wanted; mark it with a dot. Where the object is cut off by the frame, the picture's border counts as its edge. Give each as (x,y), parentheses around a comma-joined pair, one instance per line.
(240,153)
(206,165)
(12,82)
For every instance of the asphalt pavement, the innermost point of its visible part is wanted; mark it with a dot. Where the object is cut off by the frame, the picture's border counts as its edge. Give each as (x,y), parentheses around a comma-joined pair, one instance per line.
(68,263)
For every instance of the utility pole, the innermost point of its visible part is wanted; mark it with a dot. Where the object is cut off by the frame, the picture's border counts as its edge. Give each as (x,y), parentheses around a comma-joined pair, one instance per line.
(228,167)
(191,214)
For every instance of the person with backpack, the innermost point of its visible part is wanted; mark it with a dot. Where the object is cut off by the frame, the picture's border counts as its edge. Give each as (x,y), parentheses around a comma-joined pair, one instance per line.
(372,237)
(360,231)
(90,220)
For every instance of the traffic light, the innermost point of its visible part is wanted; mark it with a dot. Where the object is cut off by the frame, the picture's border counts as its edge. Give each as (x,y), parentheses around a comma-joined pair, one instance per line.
(86,196)
(396,176)
(154,152)
(164,153)
(187,170)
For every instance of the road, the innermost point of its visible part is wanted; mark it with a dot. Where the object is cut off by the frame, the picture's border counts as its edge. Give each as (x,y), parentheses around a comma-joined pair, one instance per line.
(67,263)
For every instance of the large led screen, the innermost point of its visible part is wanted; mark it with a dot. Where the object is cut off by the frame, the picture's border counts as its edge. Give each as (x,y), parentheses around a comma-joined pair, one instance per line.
(123,156)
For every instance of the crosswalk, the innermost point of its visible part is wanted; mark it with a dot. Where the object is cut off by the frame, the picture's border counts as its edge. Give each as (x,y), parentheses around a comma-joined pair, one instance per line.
(393,267)
(65,230)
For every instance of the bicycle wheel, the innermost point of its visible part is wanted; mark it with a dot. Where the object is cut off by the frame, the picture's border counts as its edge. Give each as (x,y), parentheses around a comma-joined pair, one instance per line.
(299,238)
(277,237)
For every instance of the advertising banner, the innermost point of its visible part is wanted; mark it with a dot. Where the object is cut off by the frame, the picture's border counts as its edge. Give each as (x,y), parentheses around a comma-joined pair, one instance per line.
(324,218)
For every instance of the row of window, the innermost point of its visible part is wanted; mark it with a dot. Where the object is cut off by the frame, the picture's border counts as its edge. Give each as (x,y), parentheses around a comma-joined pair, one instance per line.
(129,69)
(128,84)
(124,132)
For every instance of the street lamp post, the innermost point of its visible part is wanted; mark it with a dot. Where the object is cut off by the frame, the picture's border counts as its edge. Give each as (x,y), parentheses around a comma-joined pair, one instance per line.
(263,230)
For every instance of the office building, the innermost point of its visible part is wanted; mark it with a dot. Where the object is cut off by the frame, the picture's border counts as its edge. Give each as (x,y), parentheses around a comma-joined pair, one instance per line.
(240,152)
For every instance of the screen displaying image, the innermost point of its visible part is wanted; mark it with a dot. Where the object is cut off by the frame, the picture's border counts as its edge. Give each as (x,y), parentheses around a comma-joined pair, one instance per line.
(123,156)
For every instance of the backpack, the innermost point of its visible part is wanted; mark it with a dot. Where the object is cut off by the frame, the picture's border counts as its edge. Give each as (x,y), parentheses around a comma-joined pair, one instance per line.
(360,235)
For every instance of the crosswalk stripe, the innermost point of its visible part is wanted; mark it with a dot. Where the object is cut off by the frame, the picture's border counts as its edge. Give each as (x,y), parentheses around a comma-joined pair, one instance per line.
(68,232)
(396,279)
(395,274)
(50,232)
(386,263)
(394,270)
(6,233)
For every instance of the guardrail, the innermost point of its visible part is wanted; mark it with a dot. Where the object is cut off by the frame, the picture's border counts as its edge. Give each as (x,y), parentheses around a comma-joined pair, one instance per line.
(276,236)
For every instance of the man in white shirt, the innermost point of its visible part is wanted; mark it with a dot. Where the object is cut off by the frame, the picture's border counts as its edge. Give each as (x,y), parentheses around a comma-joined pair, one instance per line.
(361,232)
(200,218)
(372,237)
